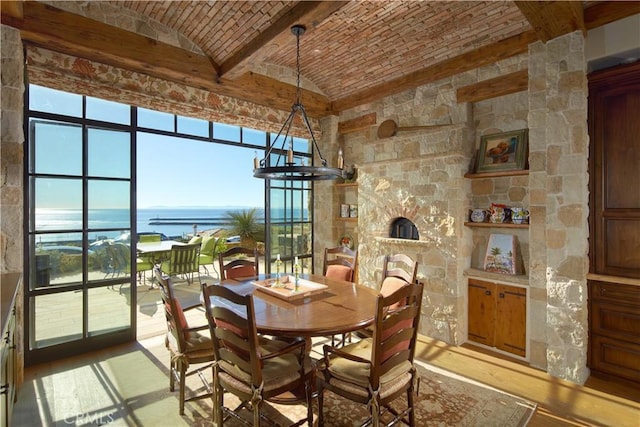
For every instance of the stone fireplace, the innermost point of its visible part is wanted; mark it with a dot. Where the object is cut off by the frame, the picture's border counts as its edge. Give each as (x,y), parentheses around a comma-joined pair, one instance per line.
(415,205)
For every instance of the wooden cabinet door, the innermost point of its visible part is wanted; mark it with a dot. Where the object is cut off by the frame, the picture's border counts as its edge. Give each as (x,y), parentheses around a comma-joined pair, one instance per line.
(614,103)
(511,312)
(482,312)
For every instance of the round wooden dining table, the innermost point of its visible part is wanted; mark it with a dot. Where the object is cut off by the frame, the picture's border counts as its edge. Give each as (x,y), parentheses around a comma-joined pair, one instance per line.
(339,308)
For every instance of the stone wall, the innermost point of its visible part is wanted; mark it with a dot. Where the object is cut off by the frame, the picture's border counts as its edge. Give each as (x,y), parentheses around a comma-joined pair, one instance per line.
(11,152)
(419,175)
(558,185)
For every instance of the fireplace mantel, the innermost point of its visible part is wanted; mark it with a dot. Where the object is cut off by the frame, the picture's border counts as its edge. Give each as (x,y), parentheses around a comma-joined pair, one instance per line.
(403,242)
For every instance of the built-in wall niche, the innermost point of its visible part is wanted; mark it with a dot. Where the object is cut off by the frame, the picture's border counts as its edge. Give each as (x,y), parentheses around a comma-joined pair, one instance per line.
(403,228)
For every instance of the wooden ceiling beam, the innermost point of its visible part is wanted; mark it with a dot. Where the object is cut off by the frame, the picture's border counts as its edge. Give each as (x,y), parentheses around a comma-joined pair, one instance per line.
(480,57)
(551,19)
(609,11)
(492,88)
(307,13)
(54,29)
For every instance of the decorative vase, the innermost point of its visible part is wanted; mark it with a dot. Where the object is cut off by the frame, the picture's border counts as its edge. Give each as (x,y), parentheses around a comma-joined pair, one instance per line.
(519,215)
(497,214)
(478,215)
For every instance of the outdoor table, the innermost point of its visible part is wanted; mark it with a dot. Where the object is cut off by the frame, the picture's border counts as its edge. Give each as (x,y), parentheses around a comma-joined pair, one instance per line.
(157,251)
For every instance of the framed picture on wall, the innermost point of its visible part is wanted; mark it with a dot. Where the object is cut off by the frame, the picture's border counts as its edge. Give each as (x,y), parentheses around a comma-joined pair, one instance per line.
(503,151)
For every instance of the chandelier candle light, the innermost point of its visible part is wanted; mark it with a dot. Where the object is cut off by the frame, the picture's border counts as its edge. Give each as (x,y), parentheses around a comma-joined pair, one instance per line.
(287,169)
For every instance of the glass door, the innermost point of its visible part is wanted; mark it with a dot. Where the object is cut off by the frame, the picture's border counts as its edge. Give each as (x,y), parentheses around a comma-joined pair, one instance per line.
(80,293)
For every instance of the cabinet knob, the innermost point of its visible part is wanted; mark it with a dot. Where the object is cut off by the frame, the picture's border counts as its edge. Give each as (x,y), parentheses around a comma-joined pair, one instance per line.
(501,295)
(487,292)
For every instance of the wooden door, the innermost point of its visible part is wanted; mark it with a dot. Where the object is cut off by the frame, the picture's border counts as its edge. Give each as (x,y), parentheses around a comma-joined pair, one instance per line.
(511,312)
(482,312)
(614,126)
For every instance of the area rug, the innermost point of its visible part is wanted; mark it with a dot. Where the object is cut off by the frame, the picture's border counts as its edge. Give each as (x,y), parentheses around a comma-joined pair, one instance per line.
(444,399)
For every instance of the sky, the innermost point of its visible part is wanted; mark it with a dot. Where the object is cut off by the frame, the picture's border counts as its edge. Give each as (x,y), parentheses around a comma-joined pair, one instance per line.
(171,172)
(180,172)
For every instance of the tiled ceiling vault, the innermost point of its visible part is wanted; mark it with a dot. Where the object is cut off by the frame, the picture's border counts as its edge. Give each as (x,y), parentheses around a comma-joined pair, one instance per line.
(353,52)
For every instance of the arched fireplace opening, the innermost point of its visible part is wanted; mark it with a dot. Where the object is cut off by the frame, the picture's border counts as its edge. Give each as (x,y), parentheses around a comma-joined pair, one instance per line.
(403,228)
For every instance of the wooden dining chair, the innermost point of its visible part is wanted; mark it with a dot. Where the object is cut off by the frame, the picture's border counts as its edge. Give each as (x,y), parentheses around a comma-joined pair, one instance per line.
(378,370)
(340,263)
(183,260)
(252,367)
(238,262)
(189,346)
(397,271)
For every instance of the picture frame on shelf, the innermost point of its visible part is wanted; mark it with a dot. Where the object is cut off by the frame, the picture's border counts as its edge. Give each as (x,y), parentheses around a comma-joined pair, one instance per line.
(502,255)
(505,151)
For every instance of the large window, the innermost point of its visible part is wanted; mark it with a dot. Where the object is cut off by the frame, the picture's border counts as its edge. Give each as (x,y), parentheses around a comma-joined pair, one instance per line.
(100,172)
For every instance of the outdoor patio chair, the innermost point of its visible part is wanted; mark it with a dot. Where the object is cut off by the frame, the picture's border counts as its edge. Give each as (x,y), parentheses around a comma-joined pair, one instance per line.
(188,346)
(183,260)
(149,238)
(376,371)
(119,259)
(252,367)
(143,264)
(238,262)
(208,248)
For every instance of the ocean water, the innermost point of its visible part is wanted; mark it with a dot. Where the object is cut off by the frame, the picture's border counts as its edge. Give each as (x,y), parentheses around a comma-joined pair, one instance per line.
(110,223)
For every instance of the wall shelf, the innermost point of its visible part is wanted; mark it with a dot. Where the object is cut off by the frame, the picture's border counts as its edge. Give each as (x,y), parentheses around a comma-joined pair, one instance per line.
(496,174)
(347,184)
(495,225)
(348,219)
(515,279)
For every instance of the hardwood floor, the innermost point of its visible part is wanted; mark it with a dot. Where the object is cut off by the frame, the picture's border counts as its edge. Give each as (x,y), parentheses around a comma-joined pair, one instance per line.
(560,403)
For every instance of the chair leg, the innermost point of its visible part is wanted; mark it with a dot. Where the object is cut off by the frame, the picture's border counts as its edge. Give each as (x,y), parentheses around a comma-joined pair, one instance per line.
(182,386)
(309,397)
(320,392)
(412,415)
(256,413)
(218,400)
(375,414)
(172,370)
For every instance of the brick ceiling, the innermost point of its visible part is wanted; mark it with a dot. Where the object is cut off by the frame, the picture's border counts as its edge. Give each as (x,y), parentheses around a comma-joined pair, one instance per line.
(353,52)
(359,46)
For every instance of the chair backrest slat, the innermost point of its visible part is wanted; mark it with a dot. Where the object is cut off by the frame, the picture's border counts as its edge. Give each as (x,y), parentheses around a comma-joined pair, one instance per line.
(238,262)
(184,258)
(340,256)
(233,330)
(401,266)
(172,309)
(395,329)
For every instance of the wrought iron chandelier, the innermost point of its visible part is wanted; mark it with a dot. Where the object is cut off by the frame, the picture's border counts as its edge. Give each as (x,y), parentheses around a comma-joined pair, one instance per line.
(285,168)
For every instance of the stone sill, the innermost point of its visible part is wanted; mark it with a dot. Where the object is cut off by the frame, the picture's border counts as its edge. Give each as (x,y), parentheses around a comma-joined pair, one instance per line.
(409,242)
